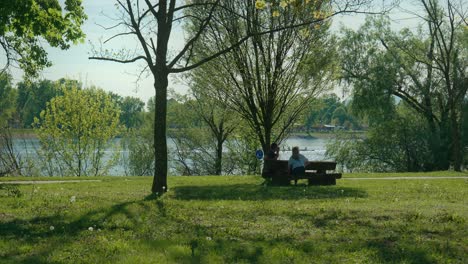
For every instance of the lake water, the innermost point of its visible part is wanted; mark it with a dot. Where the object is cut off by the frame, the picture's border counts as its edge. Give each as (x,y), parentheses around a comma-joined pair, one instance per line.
(311,148)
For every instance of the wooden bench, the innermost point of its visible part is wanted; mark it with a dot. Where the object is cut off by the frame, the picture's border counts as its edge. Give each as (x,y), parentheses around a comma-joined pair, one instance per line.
(316,172)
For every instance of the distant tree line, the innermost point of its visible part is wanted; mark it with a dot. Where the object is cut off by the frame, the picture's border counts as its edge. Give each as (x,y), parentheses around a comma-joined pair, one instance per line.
(23,102)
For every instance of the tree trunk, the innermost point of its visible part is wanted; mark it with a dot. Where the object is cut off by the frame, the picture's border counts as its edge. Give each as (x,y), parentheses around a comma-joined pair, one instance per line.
(160,141)
(219,154)
(456,152)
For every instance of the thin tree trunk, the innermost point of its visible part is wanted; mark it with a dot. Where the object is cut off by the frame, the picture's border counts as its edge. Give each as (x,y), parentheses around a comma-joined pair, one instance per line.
(219,154)
(456,152)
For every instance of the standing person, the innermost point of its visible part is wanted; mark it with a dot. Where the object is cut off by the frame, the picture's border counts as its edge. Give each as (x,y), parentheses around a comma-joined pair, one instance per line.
(273,153)
(296,164)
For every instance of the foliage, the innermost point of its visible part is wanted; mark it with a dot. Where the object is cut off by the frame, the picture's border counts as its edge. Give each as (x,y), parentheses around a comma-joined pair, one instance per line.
(425,68)
(268,79)
(7,99)
(74,131)
(10,161)
(329,110)
(237,220)
(26,23)
(33,97)
(138,146)
(138,154)
(200,129)
(131,112)
(400,144)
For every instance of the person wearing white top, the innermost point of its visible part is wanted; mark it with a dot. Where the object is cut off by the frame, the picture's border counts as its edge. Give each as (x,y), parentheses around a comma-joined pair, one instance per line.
(296,164)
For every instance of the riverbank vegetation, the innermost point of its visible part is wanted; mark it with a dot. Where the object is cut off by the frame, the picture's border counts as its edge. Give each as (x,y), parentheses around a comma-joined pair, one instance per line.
(235,219)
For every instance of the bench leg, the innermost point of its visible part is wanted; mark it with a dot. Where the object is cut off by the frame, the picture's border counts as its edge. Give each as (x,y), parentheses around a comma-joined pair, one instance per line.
(320,180)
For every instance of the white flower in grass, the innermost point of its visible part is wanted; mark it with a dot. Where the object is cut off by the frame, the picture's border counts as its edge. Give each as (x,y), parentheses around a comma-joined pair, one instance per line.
(208,238)
(90,228)
(51,228)
(73,199)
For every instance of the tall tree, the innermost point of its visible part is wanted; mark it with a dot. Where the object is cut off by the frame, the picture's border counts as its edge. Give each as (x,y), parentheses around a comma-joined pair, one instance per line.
(152,24)
(24,23)
(270,78)
(426,69)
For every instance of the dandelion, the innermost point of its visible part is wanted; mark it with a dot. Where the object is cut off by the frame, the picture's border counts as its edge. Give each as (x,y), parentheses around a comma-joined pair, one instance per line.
(259,4)
(51,228)
(208,238)
(276,13)
(73,199)
(90,228)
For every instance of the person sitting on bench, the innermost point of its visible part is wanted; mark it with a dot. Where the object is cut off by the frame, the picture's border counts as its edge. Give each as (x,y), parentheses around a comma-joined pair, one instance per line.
(296,164)
(273,153)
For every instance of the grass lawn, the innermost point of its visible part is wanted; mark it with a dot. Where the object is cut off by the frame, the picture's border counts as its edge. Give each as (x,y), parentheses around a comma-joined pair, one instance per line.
(235,220)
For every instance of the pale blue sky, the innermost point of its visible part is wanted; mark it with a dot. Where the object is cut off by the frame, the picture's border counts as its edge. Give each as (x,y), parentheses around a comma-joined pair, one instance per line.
(120,78)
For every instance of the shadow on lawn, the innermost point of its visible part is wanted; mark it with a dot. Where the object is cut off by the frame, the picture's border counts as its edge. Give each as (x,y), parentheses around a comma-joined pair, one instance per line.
(252,192)
(66,231)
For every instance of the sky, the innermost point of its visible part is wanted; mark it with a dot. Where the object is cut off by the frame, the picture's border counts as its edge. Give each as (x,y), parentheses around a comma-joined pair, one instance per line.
(121,78)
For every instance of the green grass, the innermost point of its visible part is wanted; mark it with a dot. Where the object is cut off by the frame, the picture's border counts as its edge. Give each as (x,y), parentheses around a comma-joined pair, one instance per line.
(235,220)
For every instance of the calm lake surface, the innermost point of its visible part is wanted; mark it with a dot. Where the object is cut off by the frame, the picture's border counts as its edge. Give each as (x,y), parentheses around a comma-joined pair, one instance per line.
(311,148)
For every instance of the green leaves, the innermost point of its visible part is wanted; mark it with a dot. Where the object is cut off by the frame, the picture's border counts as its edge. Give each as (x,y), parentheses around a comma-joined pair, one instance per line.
(24,23)
(75,128)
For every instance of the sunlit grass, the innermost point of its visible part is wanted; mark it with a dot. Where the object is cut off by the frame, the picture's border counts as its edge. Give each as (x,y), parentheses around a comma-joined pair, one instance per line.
(235,220)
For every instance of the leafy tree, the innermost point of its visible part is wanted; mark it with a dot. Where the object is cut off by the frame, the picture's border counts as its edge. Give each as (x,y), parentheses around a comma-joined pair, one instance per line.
(7,99)
(32,99)
(269,79)
(426,69)
(399,144)
(135,18)
(202,128)
(25,23)
(131,111)
(75,129)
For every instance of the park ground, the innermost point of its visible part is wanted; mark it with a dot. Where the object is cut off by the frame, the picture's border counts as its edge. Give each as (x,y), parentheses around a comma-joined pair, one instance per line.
(236,219)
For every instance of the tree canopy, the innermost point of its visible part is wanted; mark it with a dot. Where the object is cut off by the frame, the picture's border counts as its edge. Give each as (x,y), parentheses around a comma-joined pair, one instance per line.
(24,23)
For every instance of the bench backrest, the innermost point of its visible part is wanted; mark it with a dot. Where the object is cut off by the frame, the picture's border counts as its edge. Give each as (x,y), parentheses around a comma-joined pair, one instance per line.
(281,166)
(321,165)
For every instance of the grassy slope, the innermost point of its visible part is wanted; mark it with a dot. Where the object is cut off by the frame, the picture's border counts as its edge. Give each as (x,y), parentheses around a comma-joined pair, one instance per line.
(236,219)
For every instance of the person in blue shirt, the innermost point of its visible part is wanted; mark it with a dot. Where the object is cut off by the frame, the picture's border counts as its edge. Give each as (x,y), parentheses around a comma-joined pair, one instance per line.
(296,164)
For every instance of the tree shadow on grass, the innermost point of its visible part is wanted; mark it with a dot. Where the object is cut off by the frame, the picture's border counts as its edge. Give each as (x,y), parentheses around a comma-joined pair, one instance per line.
(251,192)
(66,230)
